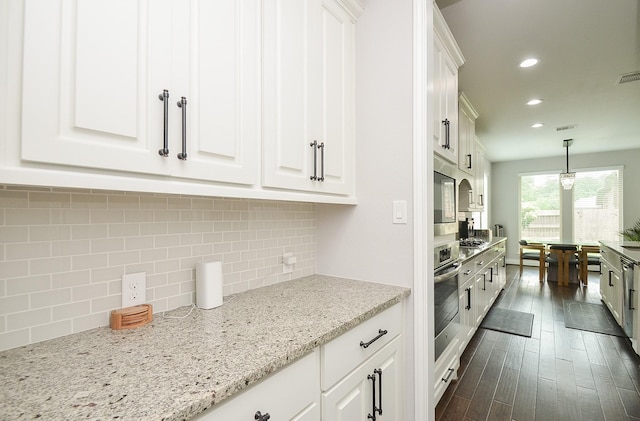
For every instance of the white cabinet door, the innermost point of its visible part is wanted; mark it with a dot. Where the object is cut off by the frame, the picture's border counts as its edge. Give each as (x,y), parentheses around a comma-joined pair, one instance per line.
(216,48)
(445,103)
(467,116)
(92,72)
(611,288)
(478,188)
(352,398)
(466,301)
(308,99)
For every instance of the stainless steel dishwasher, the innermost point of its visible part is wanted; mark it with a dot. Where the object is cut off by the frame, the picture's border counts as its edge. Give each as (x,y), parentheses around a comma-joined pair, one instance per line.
(628,306)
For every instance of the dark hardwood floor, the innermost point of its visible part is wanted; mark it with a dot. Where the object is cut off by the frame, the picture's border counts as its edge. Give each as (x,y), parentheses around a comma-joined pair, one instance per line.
(557,374)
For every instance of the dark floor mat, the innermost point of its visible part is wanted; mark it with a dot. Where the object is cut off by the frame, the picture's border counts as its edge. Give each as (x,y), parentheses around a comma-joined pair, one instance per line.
(509,321)
(590,317)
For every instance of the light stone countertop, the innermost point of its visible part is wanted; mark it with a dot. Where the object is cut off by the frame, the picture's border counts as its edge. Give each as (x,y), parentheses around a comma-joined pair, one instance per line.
(175,368)
(629,249)
(468,253)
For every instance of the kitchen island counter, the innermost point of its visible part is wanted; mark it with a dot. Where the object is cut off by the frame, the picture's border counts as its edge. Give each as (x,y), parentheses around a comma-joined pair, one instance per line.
(176,368)
(629,249)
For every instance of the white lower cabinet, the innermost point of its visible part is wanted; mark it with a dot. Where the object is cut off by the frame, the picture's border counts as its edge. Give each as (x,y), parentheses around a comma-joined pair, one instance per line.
(289,394)
(358,376)
(466,301)
(372,391)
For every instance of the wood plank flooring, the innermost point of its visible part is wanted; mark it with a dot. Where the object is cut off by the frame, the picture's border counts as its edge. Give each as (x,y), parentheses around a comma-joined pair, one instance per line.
(558,374)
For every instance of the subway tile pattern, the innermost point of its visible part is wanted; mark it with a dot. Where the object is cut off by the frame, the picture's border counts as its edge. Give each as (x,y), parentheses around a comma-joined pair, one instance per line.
(63,252)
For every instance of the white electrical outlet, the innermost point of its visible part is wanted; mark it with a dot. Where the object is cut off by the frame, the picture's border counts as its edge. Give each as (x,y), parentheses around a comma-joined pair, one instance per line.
(134,289)
(287,262)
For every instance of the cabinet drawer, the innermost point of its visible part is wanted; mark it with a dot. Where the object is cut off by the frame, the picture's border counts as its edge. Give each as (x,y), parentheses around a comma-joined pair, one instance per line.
(467,271)
(344,353)
(292,393)
(446,369)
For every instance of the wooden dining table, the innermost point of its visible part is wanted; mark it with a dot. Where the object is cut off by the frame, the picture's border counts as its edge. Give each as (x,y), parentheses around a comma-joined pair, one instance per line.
(566,254)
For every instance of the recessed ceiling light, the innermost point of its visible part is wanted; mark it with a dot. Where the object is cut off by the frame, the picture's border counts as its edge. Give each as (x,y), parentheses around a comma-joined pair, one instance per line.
(529,62)
(537,125)
(534,101)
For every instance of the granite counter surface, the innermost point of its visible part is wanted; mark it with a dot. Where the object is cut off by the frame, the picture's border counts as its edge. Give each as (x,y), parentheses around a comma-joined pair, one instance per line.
(175,368)
(468,253)
(628,249)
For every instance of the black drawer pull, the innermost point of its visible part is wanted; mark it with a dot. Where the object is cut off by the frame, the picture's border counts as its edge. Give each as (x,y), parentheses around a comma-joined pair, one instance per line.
(258,416)
(381,333)
(448,377)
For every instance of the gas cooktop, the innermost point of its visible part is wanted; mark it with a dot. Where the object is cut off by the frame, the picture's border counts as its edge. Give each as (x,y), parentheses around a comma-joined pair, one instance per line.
(472,242)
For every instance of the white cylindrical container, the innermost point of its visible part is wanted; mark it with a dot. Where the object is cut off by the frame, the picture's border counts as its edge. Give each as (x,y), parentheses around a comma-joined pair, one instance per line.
(209,285)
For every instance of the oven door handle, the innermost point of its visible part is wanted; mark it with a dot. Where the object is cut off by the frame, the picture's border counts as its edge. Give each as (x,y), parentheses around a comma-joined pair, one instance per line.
(448,275)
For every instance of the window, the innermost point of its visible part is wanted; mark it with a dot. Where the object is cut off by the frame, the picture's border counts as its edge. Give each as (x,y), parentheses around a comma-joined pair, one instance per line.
(597,206)
(594,207)
(540,208)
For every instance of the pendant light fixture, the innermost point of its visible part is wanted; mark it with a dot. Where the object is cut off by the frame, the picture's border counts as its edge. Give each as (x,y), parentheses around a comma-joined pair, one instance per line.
(567,178)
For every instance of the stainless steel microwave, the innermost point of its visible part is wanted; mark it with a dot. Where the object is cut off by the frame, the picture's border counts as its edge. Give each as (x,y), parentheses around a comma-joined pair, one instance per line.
(444,199)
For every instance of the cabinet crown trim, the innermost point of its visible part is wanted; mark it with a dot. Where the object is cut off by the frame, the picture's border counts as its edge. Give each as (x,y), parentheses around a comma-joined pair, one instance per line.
(468,108)
(353,7)
(443,31)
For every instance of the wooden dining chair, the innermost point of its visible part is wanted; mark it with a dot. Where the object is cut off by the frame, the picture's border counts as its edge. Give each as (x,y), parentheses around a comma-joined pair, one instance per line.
(588,256)
(533,251)
(563,262)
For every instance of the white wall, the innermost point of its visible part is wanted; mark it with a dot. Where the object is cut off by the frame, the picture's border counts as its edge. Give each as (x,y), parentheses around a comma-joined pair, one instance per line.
(505,196)
(361,242)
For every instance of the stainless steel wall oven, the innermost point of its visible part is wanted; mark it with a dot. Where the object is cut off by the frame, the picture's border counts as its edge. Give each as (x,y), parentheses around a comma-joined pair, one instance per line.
(446,310)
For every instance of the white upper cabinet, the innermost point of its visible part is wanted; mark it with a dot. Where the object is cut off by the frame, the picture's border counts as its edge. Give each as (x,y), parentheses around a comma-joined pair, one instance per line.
(94,73)
(479,198)
(308,104)
(467,116)
(447,59)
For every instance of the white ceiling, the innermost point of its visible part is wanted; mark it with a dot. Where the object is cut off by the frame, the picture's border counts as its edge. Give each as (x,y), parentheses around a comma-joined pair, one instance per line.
(583,47)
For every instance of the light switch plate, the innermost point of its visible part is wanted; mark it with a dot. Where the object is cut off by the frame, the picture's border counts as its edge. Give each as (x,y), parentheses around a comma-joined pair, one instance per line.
(399,212)
(134,288)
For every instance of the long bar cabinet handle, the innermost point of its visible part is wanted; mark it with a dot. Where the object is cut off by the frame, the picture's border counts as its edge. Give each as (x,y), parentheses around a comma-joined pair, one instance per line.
(469,166)
(314,145)
(447,144)
(373,404)
(378,371)
(631,291)
(164,97)
(468,307)
(321,147)
(183,104)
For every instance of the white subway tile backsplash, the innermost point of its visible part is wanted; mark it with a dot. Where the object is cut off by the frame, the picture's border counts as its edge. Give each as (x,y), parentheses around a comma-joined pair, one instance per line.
(51,330)
(71,311)
(69,248)
(50,298)
(14,338)
(14,304)
(26,285)
(21,251)
(87,292)
(14,234)
(25,319)
(64,251)
(25,216)
(92,231)
(90,261)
